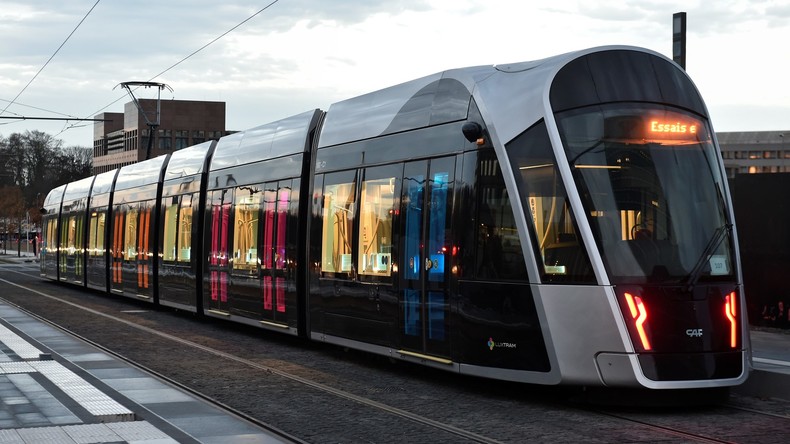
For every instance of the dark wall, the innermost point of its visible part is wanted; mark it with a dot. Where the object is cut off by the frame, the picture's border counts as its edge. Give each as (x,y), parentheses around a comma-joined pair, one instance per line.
(762,215)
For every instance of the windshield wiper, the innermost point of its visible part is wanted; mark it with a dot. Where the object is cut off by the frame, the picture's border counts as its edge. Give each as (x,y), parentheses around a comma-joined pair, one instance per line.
(585,151)
(713,245)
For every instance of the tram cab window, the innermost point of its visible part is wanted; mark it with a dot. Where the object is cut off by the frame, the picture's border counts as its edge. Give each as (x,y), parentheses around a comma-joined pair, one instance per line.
(339,203)
(652,189)
(561,255)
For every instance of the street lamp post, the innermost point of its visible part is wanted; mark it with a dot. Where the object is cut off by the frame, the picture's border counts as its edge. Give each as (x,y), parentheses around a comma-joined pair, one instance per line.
(27,232)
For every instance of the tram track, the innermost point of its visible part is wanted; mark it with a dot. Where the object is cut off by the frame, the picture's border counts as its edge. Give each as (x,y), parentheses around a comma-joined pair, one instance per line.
(467,435)
(324,385)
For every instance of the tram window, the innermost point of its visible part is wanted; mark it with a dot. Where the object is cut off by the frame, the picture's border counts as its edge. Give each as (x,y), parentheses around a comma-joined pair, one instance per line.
(171,224)
(547,209)
(130,244)
(52,235)
(96,233)
(377,208)
(338,219)
(184,251)
(73,227)
(245,240)
(499,254)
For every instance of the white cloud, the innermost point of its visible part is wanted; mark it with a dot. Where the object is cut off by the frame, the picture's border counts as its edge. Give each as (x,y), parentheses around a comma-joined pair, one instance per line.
(303,54)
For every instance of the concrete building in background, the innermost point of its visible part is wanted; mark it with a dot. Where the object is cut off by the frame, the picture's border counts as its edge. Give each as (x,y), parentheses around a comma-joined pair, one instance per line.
(754,152)
(122,139)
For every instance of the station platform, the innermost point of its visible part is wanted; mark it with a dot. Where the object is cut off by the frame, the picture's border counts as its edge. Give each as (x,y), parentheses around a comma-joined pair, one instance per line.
(770,377)
(57,389)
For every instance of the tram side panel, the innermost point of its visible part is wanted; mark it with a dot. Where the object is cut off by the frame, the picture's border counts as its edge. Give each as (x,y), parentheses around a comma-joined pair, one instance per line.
(177,236)
(498,322)
(180,227)
(50,230)
(382,245)
(132,244)
(72,238)
(97,257)
(96,266)
(73,231)
(251,243)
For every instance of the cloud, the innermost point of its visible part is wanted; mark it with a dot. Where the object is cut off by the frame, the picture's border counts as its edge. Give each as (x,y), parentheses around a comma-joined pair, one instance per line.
(302,54)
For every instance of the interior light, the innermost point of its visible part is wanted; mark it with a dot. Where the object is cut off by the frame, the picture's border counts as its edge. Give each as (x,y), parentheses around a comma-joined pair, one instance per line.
(730,311)
(639,313)
(599,167)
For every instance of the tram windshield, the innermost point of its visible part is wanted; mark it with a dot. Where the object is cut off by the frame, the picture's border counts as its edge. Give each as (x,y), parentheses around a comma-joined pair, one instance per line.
(653,193)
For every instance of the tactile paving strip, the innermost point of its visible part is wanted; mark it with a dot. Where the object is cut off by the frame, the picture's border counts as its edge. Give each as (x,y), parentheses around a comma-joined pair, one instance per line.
(92,399)
(96,402)
(138,432)
(22,348)
(8,368)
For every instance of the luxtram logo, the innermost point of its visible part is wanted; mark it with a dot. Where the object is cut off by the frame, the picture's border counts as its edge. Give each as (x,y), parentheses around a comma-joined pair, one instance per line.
(491,344)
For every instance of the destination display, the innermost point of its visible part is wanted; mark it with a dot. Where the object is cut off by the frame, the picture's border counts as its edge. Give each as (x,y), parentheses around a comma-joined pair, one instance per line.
(662,128)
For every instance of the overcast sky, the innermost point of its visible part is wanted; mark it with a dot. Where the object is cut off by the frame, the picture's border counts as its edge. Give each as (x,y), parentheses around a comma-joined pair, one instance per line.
(303,54)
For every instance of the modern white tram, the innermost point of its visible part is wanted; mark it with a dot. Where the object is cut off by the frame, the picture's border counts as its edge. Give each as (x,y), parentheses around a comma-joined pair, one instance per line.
(562,221)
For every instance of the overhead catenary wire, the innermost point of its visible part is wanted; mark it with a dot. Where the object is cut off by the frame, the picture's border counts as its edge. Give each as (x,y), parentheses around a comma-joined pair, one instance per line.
(51,57)
(183,59)
(211,42)
(19,117)
(37,108)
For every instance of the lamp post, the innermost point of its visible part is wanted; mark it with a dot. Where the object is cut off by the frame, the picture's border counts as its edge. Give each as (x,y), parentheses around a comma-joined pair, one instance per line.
(782,151)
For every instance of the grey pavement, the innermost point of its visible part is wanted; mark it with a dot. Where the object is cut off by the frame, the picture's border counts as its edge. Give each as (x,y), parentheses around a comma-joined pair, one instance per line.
(57,389)
(770,377)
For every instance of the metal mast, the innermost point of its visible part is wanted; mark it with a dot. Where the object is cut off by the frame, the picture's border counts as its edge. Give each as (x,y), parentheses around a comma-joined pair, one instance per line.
(152,125)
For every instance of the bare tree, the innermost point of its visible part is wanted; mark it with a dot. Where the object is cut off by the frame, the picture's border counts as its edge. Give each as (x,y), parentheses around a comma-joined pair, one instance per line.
(36,162)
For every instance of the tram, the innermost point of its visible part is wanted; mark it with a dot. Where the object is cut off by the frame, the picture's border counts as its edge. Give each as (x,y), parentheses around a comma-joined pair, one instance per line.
(561,221)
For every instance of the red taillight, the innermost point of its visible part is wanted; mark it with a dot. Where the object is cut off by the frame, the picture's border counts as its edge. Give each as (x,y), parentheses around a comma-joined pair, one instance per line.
(639,313)
(731,312)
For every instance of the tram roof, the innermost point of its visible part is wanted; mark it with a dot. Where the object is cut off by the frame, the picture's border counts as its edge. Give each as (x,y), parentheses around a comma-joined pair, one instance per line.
(55,196)
(139,174)
(78,189)
(276,139)
(512,96)
(188,161)
(103,182)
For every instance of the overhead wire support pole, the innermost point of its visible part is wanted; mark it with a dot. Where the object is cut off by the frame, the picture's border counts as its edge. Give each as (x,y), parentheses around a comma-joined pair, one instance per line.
(152,125)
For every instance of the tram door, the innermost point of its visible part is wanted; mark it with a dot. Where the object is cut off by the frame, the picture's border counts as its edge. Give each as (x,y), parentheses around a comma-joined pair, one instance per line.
(425,211)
